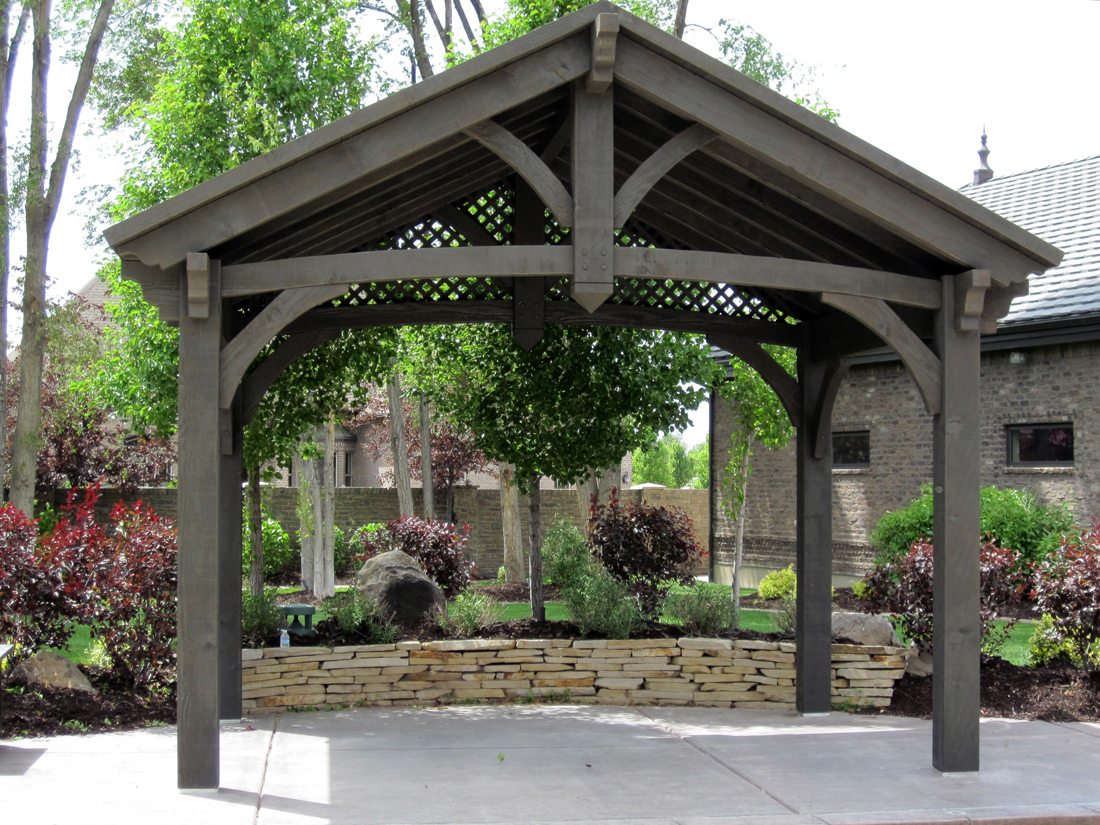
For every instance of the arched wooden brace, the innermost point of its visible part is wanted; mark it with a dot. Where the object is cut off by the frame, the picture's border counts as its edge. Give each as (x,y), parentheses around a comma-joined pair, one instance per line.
(528,166)
(922,363)
(774,375)
(822,414)
(656,166)
(239,353)
(259,381)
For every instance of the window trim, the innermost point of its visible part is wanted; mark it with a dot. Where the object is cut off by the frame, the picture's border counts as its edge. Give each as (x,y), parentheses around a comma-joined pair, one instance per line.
(1012,433)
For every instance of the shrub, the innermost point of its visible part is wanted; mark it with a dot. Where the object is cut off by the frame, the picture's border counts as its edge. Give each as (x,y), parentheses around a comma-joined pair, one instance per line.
(703,608)
(566,556)
(644,547)
(280,557)
(344,553)
(438,546)
(356,615)
(906,590)
(470,612)
(369,540)
(260,617)
(1010,518)
(1068,588)
(602,606)
(1048,646)
(779,584)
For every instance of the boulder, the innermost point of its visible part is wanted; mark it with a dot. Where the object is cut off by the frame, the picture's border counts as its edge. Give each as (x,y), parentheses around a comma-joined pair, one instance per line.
(919,664)
(52,670)
(402,591)
(863,629)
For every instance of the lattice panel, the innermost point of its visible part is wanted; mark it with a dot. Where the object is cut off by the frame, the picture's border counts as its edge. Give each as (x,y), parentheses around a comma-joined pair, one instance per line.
(695,296)
(411,292)
(492,209)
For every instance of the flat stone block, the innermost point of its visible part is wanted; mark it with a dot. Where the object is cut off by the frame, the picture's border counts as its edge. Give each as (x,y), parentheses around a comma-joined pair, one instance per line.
(632,644)
(471,644)
(250,654)
(753,644)
(773,656)
(589,644)
(619,684)
(543,667)
(778,673)
(760,680)
(562,683)
(691,643)
(344,689)
(261,693)
(868,673)
(543,643)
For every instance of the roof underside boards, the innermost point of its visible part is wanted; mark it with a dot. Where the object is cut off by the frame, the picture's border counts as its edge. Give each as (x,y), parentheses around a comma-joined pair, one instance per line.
(776,181)
(1060,204)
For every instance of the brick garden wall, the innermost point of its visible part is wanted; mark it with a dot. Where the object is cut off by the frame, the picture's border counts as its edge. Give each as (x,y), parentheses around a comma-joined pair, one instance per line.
(1054,384)
(689,671)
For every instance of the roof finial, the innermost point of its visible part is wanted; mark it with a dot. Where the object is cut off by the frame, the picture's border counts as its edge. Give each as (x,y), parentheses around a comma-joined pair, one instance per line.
(983,172)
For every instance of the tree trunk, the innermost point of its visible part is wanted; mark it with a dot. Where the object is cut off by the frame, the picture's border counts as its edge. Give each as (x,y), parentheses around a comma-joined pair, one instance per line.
(416,32)
(739,535)
(42,200)
(8,54)
(427,482)
(399,449)
(534,503)
(324,570)
(255,534)
(307,525)
(681,18)
(514,568)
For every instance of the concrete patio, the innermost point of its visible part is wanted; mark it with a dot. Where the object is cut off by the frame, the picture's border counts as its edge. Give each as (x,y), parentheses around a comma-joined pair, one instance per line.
(557,764)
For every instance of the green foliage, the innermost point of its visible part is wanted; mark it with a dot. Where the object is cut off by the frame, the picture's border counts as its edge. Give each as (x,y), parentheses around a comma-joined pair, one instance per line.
(779,584)
(1068,589)
(260,617)
(602,606)
(281,558)
(566,556)
(699,462)
(522,16)
(1049,646)
(344,552)
(357,616)
(1011,518)
(703,608)
(470,612)
(665,462)
(580,398)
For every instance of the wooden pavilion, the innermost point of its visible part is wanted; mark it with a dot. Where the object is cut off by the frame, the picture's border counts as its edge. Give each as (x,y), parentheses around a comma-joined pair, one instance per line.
(595,171)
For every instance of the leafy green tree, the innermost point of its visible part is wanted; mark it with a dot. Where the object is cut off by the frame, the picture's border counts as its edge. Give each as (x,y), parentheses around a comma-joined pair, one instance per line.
(699,459)
(580,398)
(665,462)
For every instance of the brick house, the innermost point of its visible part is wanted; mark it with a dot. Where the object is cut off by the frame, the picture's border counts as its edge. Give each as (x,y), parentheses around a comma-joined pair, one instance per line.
(1040,396)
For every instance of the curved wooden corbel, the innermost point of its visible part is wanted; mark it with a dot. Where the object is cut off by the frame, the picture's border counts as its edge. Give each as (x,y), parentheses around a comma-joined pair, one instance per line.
(605,36)
(769,369)
(656,166)
(528,166)
(922,363)
(259,381)
(250,341)
(835,371)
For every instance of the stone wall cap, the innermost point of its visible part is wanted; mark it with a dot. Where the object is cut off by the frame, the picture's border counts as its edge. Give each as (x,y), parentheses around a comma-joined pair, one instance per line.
(471,644)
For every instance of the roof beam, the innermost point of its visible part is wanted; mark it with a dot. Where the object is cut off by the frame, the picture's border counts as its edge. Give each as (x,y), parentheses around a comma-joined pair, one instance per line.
(776,273)
(815,163)
(528,166)
(383,145)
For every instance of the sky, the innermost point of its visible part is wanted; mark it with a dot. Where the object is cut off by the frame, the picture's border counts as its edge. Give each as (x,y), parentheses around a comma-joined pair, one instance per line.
(918,80)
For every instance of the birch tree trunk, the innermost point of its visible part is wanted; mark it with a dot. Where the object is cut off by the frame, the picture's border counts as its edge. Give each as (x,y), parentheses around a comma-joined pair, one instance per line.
(427,478)
(534,505)
(324,569)
(307,527)
(255,534)
(8,53)
(43,197)
(739,534)
(514,568)
(398,448)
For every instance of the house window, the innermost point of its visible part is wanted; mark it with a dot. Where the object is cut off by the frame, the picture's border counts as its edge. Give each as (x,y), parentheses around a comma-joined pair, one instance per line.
(852,450)
(341,468)
(1040,445)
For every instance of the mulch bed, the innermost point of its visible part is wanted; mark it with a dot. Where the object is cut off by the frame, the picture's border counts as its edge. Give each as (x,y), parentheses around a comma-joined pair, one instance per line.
(1056,693)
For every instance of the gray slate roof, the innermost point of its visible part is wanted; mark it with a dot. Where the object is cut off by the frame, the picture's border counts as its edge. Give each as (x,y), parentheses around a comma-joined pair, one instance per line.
(1060,204)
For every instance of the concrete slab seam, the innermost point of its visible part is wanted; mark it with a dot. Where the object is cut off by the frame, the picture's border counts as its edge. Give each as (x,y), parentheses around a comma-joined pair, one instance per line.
(263,773)
(669,730)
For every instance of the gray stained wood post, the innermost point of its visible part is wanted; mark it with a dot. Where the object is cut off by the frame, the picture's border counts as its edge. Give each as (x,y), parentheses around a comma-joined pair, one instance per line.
(529,294)
(814,548)
(229,565)
(200,515)
(593,234)
(956,445)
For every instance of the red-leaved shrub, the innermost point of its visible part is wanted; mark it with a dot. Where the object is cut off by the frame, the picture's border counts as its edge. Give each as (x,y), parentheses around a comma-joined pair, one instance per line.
(905,589)
(118,578)
(437,545)
(645,547)
(1068,588)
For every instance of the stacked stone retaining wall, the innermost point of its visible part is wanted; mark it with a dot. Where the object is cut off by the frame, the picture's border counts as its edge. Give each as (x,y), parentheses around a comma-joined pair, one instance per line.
(688,671)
